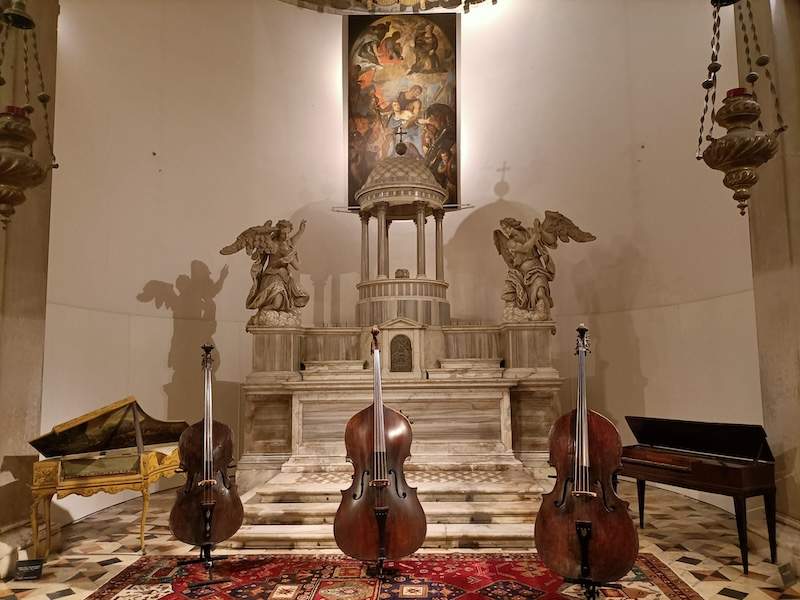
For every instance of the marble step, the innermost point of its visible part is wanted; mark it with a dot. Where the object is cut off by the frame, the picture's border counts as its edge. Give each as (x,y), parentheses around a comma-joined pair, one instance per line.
(450,491)
(286,537)
(427,462)
(313,513)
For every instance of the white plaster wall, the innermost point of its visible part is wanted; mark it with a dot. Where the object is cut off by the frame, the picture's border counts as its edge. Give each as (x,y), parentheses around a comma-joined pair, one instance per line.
(181,124)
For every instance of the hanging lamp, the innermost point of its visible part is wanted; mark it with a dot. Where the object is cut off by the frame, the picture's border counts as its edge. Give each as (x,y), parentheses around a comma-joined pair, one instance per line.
(19,170)
(747,145)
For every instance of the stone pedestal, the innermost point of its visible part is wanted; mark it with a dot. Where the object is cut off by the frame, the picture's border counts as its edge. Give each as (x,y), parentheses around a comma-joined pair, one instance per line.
(528,345)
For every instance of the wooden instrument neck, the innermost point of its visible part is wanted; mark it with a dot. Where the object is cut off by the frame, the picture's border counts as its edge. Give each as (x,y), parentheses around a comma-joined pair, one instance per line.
(581,483)
(208,422)
(379,471)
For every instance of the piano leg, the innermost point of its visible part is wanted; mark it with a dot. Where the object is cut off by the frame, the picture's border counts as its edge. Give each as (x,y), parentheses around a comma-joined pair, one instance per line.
(145,507)
(35,528)
(769,509)
(47,501)
(740,504)
(640,483)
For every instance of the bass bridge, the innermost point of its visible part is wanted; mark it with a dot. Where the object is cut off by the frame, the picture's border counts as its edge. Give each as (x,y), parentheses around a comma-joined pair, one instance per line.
(379,483)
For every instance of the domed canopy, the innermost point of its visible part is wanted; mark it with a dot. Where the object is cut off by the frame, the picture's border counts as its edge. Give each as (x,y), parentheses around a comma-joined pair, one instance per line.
(401,182)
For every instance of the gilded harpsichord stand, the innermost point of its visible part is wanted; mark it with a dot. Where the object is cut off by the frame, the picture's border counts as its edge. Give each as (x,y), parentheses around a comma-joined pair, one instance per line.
(481,398)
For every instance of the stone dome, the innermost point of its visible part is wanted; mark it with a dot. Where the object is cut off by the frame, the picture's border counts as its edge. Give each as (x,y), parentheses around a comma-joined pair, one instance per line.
(401,181)
(400,170)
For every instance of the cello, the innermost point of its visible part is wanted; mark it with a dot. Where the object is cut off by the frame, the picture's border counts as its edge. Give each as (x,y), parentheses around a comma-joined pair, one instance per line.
(207,509)
(380,517)
(583,530)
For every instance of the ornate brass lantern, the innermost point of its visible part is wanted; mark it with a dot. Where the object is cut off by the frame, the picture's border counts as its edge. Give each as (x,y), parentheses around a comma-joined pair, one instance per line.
(746,146)
(19,171)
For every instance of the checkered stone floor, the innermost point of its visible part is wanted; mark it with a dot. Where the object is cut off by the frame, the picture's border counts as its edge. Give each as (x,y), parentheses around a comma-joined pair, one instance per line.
(696,540)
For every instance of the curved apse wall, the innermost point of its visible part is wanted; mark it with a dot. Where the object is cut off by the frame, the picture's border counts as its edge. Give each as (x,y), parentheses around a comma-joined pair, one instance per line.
(179,125)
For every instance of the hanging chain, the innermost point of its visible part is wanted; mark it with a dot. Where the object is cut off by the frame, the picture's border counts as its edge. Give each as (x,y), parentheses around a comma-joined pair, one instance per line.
(710,83)
(25,61)
(751,76)
(27,80)
(3,41)
(44,98)
(763,61)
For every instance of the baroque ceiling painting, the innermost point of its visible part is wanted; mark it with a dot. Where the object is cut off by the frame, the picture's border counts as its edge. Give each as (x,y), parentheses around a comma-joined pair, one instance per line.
(402,78)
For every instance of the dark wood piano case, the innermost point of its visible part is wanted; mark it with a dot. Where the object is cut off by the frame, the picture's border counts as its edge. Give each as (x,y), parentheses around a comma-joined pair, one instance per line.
(721,458)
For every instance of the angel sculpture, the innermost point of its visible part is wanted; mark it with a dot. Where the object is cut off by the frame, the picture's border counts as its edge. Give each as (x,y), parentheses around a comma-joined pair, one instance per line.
(530,266)
(274,294)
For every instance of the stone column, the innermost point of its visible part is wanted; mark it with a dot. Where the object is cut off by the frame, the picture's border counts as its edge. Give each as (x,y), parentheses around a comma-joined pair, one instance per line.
(420,206)
(365,246)
(23,307)
(774,217)
(439,216)
(386,255)
(382,239)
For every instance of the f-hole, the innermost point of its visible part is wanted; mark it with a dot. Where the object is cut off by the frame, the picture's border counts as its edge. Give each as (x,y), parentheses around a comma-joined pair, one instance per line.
(397,484)
(564,493)
(360,491)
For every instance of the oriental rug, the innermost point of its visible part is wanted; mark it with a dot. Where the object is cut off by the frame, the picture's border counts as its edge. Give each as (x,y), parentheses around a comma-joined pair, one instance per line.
(331,577)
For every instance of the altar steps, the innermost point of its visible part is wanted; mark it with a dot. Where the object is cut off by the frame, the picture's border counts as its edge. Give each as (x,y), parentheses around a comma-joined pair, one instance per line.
(427,492)
(440,535)
(317,513)
(464,509)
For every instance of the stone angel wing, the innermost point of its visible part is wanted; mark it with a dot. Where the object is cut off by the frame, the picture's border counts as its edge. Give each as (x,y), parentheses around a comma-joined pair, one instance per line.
(558,227)
(501,243)
(251,239)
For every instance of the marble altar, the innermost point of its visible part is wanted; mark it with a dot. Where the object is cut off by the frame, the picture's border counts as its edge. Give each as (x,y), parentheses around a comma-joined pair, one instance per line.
(481,398)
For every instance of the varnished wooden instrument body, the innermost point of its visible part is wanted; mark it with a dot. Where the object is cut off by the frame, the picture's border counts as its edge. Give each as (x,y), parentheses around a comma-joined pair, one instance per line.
(186,518)
(583,530)
(355,527)
(380,516)
(208,509)
(613,545)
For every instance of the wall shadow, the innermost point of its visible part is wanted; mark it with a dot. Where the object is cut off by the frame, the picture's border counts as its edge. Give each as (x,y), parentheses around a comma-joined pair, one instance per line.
(330,250)
(616,384)
(194,323)
(16,477)
(473,268)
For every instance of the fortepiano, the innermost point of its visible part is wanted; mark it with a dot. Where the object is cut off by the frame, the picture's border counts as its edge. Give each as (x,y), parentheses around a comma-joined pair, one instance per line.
(721,458)
(111,449)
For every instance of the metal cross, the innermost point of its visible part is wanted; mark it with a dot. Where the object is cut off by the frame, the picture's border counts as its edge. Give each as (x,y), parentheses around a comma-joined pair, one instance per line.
(399,131)
(504,169)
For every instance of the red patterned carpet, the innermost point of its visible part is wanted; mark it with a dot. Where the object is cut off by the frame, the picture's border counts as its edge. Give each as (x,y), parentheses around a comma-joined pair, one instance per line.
(446,576)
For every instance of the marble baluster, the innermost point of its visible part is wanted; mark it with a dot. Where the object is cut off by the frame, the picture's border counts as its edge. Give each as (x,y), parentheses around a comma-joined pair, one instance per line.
(420,220)
(382,239)
(439,216)
(365,246)
(386,255)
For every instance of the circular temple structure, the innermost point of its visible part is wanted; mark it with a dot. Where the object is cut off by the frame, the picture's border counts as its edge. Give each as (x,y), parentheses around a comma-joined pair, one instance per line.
(401,188)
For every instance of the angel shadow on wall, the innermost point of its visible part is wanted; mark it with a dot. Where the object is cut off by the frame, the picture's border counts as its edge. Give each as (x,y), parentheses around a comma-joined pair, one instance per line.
(194,323)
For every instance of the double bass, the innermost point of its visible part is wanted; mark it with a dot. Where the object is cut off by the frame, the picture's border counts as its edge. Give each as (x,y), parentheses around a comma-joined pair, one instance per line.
(380,517)
(583,530)
(207,509)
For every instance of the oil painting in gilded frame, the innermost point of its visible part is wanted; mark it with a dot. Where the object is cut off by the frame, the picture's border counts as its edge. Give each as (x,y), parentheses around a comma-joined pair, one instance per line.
(402,71)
